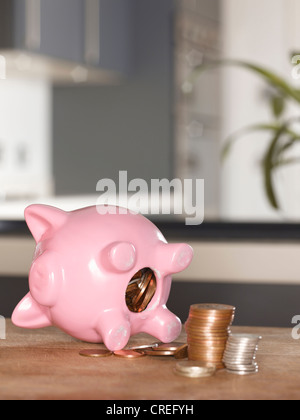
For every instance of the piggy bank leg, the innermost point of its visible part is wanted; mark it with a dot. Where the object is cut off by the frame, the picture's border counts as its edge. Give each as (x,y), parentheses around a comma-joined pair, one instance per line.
(114,329)
(163,325)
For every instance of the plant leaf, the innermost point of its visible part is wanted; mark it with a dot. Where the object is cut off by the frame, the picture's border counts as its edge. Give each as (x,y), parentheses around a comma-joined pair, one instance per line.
(244,131)
(285,162)
(270,162)
(268,169)
(269,76)
(278,106)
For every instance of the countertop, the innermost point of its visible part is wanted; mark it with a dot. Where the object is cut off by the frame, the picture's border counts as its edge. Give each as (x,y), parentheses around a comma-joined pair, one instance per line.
(45,364)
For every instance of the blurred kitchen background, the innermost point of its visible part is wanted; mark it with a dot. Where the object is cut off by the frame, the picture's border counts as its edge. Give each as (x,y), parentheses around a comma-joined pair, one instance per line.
(92,87)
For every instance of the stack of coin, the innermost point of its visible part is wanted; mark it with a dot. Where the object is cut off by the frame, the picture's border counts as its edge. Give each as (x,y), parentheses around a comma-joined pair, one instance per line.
(194,369)
(141,290)
(240,354)
(208,328)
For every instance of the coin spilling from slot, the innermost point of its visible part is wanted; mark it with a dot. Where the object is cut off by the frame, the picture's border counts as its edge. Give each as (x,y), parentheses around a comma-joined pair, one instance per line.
(141,290)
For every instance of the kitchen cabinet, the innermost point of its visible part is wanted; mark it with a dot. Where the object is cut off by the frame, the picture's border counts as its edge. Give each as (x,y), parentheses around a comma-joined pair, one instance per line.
(93,34)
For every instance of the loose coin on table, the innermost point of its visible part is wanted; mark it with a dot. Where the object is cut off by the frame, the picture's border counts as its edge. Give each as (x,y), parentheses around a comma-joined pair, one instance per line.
(181,352)
(169,347)
(194,369)
(155,353)
(95,353)
(142,347)
(129,354)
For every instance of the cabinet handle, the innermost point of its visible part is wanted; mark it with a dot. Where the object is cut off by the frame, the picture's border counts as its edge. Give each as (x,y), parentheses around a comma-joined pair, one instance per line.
(92,32)
(33,24)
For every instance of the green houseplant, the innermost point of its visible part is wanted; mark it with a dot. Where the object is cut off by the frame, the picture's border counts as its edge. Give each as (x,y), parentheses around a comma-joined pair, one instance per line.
(282,130)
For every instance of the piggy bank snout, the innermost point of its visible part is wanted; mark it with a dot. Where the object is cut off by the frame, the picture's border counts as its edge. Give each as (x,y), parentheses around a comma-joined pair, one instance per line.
(44,279)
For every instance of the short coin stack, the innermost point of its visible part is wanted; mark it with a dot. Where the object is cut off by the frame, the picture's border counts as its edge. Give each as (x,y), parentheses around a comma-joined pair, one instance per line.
(208,329)
(240,354)
(141,290)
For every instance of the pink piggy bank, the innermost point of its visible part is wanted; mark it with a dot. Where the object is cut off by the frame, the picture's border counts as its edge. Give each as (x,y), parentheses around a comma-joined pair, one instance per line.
(83,263)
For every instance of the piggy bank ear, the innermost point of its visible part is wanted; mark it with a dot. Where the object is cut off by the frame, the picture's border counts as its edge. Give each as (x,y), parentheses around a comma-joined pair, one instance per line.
(44,220)
(119,256)
(173,258)
(29,314)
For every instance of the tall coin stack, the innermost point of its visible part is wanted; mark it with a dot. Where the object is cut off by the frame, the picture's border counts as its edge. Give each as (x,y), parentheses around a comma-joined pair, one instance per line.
(240,354)
(208,329)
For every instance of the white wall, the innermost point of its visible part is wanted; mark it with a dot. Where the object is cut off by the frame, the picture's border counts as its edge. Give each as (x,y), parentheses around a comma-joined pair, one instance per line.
(25,138)
(264,32)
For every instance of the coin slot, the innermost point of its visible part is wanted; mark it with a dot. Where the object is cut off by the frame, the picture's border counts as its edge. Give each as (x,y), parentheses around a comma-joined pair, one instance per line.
(141,290)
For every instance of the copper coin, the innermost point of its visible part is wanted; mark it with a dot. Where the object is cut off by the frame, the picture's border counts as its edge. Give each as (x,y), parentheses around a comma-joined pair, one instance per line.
(168,347)
(181,352)
(142,289)
(142,347)
(95,353)
(155,352)
(129,354)
(148,295)
(212,307)
(138,275)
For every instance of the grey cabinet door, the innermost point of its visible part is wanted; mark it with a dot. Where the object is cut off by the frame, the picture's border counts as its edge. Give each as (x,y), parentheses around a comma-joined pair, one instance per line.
(97,33)
(53,28)
(62,29)
(117,25)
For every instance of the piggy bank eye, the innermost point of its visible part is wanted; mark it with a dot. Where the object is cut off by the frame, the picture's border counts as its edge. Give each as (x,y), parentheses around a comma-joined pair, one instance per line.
(141,290)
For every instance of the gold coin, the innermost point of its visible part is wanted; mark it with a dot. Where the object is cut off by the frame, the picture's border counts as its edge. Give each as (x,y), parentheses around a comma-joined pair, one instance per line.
(186,366)
(95,353)
(195,369)
(129,354)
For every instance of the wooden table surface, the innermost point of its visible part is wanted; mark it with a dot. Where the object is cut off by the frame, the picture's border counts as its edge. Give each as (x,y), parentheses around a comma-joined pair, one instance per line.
(45,364)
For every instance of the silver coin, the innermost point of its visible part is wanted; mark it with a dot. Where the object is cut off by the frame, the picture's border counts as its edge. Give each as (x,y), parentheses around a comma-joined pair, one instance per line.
(236,347)
(235,366)
(241,339)
(245,336)
(240,353)
(234,372)
(237,362)
(239,357)
(241,368)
